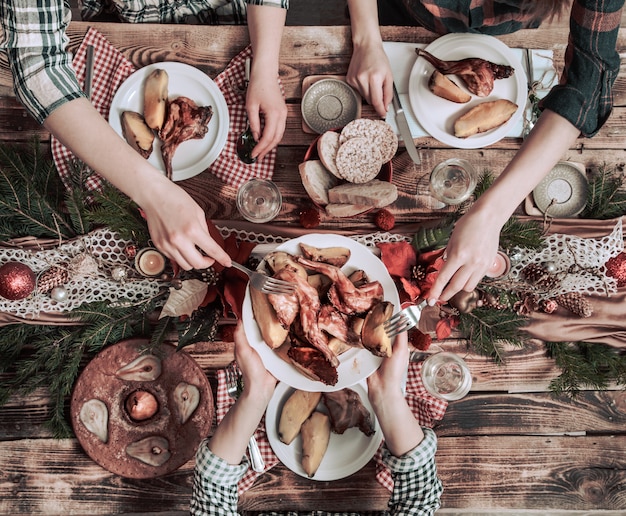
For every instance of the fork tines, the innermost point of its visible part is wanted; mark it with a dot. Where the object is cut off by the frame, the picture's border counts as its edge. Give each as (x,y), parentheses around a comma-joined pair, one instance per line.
(398,323)
(277,286)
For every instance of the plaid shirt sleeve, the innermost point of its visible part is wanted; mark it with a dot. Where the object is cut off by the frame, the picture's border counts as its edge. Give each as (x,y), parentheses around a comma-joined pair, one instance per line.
(585,93)
(215,484)
(35,40)
(417,489)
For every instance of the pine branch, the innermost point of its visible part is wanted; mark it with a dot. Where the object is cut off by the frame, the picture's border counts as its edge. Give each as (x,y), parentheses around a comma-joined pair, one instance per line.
(606,198)
(516,233)
(202,327)
(486,330)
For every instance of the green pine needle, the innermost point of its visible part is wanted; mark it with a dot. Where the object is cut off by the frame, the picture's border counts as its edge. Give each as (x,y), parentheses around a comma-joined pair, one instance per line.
(606,198)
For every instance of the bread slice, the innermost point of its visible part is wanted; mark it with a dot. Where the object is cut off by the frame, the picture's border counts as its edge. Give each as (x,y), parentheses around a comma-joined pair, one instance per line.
(375,193)
(327,147)
(317,180)
(345,210)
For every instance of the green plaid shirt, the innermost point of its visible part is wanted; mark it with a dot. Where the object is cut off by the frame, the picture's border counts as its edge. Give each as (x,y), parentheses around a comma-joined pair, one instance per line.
(32,33)
(584,96)
(417,489)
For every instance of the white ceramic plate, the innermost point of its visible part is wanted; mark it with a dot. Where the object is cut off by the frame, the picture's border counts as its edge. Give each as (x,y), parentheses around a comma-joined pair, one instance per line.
(346,454)
(193,156)
(355,364)
(437,115)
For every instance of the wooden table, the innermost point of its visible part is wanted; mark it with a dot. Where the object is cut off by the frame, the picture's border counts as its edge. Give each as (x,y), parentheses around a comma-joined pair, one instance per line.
(509,447)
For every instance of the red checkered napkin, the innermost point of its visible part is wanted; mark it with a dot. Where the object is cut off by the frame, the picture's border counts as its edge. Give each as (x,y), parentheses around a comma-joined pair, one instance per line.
(110,70)
(426,408)
(223,403)
(228,167)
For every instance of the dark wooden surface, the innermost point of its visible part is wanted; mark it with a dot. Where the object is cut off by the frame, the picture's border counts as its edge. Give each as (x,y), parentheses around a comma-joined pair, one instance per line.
(509,447)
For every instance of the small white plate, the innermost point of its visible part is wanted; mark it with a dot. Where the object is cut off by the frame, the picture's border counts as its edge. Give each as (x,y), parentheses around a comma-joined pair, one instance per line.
(329,104)
(347,453)
(355,364)
(563,192)
(192,156)
(437,115)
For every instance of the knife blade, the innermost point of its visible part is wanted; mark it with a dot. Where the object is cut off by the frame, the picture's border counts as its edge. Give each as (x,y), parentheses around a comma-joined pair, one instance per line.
(403,127)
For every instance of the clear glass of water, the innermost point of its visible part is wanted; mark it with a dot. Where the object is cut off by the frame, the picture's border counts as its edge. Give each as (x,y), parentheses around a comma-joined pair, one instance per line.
(453,181)
(259,200)
(446,376)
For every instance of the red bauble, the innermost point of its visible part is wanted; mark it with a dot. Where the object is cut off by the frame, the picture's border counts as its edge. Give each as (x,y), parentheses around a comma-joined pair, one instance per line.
(17,281)
(616,268)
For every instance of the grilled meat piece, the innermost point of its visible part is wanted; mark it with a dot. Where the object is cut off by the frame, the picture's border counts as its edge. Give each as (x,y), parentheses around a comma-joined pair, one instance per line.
(185,121)
(314,364)
(477,74)
(346,410)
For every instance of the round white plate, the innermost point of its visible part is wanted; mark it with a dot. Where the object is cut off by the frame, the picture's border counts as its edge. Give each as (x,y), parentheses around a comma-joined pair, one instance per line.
(347,453)
(437,115)
(355,364)
(193,156)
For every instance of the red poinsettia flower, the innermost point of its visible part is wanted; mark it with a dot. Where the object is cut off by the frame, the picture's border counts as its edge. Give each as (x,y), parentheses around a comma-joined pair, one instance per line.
(398,257)
(445,326)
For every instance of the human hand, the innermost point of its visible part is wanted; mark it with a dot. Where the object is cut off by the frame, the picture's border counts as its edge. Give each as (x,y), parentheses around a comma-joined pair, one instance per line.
(178,226)
(264,98)
(471,250)
(256,379)
(370,73)
(387,380)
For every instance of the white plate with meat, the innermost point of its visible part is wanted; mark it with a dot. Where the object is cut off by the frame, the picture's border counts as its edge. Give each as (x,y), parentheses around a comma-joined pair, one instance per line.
(356,364)
(192,156)
(437,115)
(346,454)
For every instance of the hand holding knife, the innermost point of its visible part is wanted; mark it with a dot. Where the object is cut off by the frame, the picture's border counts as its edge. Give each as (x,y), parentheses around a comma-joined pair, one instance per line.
(403,127)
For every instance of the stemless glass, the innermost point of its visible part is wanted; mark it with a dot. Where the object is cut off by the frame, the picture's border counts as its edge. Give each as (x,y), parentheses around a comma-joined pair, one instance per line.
(259,200)
(453,181)
(446,376)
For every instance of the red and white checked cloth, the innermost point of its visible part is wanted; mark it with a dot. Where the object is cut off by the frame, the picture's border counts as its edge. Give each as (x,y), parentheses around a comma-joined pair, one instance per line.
(110,70)
(228,167)
(426,408)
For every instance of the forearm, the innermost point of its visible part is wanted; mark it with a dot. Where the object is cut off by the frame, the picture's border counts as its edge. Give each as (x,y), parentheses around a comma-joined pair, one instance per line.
(390,409)
(549,140)
(364,22)
(265,27)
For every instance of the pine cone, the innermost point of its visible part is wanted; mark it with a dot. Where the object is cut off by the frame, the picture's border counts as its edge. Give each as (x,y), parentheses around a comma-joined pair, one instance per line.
(575,303)
(534,272)
(52,277)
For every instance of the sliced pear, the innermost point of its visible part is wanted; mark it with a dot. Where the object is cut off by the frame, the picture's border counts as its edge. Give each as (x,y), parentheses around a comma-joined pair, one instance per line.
(337,256)
(296,410)
(278,260)
(445,88)
(155,94)
(373,333)
(315,439)
(137,133)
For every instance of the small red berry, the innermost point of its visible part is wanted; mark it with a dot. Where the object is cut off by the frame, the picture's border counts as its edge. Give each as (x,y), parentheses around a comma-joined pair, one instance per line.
(310,218)
(385,220)
(419,340)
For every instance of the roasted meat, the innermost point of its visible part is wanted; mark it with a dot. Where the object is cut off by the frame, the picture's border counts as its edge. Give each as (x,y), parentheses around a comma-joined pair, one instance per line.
(313,363)
(185,120)
(346,410)
(477,74)
(335,323)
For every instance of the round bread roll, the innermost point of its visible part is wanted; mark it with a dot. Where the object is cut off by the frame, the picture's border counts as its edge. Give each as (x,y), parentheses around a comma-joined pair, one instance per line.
(358,161)
(378,132)
(327,147)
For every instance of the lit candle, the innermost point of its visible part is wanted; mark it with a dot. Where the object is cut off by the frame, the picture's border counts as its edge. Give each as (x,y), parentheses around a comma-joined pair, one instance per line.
(149,262)
(500,266)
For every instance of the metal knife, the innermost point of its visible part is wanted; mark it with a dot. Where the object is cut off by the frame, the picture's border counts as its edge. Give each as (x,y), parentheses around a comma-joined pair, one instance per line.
(403,127)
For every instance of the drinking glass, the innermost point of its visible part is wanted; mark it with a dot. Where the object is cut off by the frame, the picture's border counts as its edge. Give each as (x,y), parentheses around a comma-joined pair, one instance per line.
(259,200)
(453,181)
(446,376)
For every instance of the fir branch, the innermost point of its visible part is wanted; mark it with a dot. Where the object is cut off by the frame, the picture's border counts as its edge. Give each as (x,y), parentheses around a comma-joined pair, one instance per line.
(487,329)
(606,198)
(30,195)
(160,331)
(484,182)
(585,364)
(516,233)
(202,327)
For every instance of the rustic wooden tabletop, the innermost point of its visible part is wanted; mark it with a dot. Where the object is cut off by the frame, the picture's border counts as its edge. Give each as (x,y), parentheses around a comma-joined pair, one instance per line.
(509,447)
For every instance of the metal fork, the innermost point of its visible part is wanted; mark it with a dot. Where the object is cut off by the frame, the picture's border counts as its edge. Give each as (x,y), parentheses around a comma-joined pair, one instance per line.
(266,284)
(232,387)
(404,320)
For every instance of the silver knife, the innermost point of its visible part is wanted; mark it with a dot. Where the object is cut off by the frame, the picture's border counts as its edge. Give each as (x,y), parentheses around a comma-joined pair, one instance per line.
(403,127)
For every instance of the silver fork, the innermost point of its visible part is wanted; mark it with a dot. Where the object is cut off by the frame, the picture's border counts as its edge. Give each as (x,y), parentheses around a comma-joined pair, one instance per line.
(266,284)
(404,320)
(232,387)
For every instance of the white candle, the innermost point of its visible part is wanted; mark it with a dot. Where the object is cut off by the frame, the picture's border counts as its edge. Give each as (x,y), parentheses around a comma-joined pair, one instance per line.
(500,266)
(150,262)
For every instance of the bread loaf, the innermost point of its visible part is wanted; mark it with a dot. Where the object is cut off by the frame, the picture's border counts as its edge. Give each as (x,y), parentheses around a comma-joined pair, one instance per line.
(317,180)
(345,210)
(484,117)
(327,147)
(374,194)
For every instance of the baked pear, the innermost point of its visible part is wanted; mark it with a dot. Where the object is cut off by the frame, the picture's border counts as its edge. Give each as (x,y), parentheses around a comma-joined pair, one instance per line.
(137,133)
(337,256)
(296,410)
(265,316)
(484,117)
(315,438)
(373,334)
(446,88)
(155,92)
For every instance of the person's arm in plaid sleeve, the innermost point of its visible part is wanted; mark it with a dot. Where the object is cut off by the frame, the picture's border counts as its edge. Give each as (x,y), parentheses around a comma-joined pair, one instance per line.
(219,464)
(409,450)
(46,84)
(264,99)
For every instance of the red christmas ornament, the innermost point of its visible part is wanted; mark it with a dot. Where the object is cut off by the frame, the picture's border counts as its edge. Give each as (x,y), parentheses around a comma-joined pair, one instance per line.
(616,268)
(17,281)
